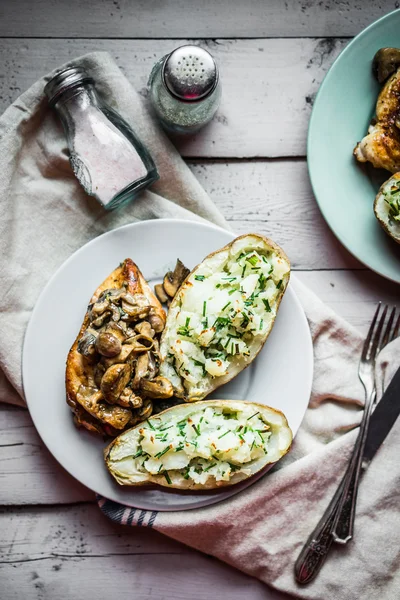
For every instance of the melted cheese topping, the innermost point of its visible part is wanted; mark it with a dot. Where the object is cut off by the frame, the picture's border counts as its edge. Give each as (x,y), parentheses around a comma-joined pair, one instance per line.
(207,443)
(228,303)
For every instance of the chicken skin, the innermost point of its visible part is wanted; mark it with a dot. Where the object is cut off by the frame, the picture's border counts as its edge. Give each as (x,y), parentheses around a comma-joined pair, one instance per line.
(381,146)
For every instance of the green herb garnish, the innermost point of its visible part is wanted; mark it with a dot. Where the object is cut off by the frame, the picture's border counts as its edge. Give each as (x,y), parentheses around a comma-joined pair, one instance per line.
(150,425)
(167,477)
(253,260)
(255,414)
(278,285)
(226,433)
(266,304)
(204,308)
(160,454)
(226,305)
(199,277)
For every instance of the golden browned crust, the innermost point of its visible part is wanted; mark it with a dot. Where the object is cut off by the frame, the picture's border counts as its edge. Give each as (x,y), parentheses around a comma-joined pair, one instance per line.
(77,369)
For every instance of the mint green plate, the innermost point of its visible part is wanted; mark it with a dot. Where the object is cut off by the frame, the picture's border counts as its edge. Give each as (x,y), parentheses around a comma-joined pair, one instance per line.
(345,190)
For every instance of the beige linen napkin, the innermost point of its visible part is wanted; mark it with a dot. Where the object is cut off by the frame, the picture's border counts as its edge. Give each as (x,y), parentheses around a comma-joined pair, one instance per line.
(45,216)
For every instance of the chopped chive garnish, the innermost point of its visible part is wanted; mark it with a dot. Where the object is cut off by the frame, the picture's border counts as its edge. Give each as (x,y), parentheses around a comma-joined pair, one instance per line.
(221,436)
(266,304)
(210,467)
(229,278)
(196,428)
(160,454)
(263,258)
(165,428)
(199,277)
(231,292)
(278,285)
(150,425)
(243,271)
(226,305)
(261,324)
(257,413)
(205,323)
(262,281)
(218,285)
(252,445)
(167,477)
(253,260)
(204,308)
(138,454)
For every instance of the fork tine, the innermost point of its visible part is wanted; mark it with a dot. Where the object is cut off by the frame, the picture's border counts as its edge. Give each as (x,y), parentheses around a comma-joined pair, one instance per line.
(374,348)
(396,329)
(386,335)
(368,339)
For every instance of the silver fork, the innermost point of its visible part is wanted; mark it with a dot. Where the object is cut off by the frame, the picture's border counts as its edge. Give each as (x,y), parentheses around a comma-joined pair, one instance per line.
(317,546)
(344,521)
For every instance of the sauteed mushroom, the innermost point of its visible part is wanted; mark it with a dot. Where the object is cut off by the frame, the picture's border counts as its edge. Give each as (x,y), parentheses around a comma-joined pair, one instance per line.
(141,369)
(129,399)
(160,293)
(386,62)
(86,345)
(156,322)
(145,328)
(135,307)
(160,387)
(93,402)
(174,279)
(144,412)
(127,354)
(107,344)
(115,380)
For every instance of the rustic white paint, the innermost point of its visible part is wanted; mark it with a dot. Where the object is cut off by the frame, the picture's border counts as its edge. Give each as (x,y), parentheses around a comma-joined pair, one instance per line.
(189,18)
(268,86)
(77,553)
(57,552)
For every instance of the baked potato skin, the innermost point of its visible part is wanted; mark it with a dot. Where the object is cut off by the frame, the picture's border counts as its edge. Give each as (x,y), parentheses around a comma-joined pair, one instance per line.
(76,367)
(219,381)
(185,484)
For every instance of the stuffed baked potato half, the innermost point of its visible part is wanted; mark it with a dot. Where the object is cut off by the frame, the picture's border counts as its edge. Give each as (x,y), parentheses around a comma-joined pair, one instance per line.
(387,207)
(222,315)
(200,446)
(112,371)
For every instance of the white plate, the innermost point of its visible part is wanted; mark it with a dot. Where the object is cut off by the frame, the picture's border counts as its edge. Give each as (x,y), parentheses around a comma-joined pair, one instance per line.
(281,375)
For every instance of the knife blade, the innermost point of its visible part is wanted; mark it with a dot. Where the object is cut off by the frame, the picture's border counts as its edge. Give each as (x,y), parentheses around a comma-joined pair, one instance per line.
(383,418)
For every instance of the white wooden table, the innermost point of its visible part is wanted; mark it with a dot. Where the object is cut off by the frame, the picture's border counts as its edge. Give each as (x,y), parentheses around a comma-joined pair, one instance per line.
(273,55)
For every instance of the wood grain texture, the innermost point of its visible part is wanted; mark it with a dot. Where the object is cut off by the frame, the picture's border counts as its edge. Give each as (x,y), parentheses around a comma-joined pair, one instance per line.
(30,475)
(77,553)
(173,18)
(268,86)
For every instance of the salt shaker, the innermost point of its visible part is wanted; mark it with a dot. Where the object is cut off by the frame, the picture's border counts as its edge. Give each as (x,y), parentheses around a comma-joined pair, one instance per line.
(106,156)
(184,89)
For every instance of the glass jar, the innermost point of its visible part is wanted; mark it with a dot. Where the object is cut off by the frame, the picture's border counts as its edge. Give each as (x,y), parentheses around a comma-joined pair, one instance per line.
(107,157)
(185,91)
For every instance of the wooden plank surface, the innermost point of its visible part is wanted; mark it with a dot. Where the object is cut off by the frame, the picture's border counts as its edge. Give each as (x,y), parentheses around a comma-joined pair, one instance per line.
(77,553)
(277,79)
(194,19)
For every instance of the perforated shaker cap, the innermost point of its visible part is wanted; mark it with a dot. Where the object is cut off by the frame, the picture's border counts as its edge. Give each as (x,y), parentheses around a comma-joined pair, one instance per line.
(190,73)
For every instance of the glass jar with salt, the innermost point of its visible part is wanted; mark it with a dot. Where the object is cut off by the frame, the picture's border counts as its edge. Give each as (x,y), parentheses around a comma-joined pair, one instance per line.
(184,89)
(108,159)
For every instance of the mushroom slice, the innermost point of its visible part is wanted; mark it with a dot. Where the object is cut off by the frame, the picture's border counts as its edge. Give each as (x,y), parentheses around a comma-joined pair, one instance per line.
(86,344)
(145,328)
(129,399)
(93,402)
(99,307)
(98,373)
(146,410)
(156,321)
(160,293)
(127,354)
(117,329)
(154,365)
(107,344)
(174,279)
(386,62)
(141,369)
(160,387)
(114,381)
(135,306)
(102,319)
(140,342)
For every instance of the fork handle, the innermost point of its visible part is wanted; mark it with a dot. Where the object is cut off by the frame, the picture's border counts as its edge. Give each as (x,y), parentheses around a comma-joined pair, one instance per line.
(344,520)
(316,549)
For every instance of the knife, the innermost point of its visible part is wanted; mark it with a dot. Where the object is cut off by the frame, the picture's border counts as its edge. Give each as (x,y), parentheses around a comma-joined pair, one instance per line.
(382,420)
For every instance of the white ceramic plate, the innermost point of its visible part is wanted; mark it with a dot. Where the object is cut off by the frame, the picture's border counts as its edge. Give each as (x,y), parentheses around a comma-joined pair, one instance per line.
(281,375)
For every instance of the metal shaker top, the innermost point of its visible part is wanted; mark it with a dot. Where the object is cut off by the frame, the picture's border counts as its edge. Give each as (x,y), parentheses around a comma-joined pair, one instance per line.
(64,80)
(190,73)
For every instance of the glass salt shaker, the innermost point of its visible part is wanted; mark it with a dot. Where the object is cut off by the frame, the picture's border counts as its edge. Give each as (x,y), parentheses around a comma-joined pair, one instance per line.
(184,89)
(108,159)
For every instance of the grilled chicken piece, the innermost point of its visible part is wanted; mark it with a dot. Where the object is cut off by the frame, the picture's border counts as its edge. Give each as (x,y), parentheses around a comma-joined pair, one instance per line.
(381,146)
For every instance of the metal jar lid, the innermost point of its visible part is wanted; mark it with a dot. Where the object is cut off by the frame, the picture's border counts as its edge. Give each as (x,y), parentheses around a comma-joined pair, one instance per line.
(190,73)
(65,80)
